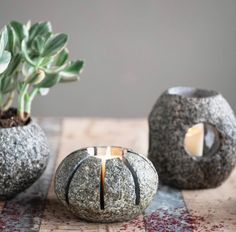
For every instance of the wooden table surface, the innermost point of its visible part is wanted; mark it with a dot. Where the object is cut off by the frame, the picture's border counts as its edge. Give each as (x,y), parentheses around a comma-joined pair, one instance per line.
(37,209)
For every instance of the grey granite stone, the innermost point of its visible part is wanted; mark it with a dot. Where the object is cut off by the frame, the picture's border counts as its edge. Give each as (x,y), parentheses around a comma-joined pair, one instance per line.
(177,110)
(67,168)
(130,183)
(24,154)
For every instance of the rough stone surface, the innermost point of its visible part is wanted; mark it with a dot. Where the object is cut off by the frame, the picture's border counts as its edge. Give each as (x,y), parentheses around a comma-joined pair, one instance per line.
(81,192)
(177,110)
(66,168)
(23,157)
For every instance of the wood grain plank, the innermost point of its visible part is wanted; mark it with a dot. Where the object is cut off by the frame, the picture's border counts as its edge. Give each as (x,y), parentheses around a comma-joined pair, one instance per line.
(24,212)
(217,207)
(79,133)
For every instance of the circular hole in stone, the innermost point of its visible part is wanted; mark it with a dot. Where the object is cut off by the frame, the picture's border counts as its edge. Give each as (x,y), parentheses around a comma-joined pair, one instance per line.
(201,139)
(191,92)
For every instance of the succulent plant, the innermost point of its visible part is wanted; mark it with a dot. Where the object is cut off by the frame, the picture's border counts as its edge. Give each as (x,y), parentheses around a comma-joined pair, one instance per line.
(32,60)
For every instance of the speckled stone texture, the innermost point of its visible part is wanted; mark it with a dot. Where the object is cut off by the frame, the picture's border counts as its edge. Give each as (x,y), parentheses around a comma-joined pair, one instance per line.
(177,110)
(129,186)
(23,157)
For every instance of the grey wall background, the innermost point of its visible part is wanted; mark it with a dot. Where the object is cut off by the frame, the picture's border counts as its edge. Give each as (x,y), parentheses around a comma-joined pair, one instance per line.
(134,50)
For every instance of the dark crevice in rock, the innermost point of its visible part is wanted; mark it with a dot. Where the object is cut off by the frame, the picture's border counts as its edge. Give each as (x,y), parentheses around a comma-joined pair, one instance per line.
(71,177)
(102,185)
(135,178)
(95,151)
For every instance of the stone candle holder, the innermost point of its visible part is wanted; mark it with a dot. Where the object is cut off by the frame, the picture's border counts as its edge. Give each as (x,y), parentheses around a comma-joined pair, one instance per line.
(106,184)
(192,138)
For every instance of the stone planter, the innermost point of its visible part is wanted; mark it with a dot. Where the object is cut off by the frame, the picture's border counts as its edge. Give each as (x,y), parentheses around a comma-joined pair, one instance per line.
(23,157)
(192,138)
(105,189)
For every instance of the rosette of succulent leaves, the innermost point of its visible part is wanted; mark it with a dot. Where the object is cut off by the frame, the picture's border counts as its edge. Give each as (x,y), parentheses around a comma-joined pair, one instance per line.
(32,60)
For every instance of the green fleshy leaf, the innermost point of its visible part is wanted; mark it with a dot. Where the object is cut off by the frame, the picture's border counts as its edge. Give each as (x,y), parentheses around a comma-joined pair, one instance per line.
(46,61)
(4,61)
(3,40)
(55,44)
(25,53)
(11,45)
(20,30)
(8,83)
(49,81)
(10,87)
(20,86)
(27,69)
(12,67)
(65,79)
(61,58)
(28,25)
(32,78)
(5,82)
(38,44)
(54,69)
(40,29)
(71,72)
(36,77)
(75,67)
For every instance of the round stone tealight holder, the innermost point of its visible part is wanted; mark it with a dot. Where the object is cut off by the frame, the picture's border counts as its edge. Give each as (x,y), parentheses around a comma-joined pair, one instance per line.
(106,184)
(192,138)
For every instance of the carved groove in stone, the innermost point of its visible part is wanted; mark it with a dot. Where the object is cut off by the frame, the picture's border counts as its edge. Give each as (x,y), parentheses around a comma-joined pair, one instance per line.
(135,178)
(71,177)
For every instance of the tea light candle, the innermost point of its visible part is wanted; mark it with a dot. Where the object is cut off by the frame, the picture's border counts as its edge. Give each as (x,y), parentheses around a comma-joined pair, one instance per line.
(194,140)
(106,184)
(108,155)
